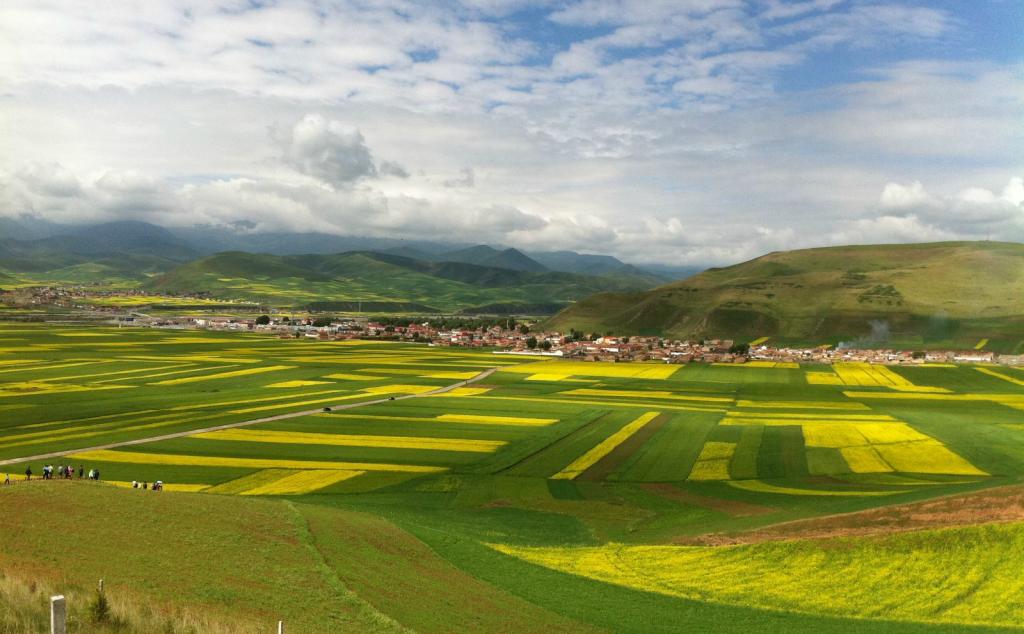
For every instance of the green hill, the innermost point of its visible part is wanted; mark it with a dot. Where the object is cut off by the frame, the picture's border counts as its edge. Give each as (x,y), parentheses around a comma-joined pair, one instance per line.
(932,294)
(379,279)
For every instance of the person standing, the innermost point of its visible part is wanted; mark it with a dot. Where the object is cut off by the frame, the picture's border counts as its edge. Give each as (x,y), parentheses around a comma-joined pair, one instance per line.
(81,471)
(28,473)
(7,479)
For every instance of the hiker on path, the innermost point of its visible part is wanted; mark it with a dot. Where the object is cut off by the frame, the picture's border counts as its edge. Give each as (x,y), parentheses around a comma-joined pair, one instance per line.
(7,479)
(81,472)
(28,473)
(96,474)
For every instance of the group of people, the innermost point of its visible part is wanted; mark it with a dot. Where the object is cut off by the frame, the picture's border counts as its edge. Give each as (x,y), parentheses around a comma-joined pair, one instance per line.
(66,472)
(157,486)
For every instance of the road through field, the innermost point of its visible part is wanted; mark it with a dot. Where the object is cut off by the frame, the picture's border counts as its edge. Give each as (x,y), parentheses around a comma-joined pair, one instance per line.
(138,441)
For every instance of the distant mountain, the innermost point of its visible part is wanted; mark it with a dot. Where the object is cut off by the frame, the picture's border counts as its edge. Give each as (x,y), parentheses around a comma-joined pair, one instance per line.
(341,279)
(483,255)
(130,251)
(125,249)
(939,292)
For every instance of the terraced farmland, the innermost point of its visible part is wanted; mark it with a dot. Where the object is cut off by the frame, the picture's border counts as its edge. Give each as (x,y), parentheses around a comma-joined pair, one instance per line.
(620,497)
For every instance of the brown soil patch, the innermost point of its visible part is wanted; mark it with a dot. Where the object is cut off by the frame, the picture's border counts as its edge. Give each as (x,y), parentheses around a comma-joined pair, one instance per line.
(734,508)
(1003,504)
(605,466)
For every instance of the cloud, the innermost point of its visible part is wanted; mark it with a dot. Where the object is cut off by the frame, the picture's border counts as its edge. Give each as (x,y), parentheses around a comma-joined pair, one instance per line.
(683,131)
(390,168)
(328,150)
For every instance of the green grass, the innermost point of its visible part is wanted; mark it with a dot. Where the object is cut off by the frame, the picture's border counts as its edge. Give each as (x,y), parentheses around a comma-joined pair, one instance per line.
(943,295)
(415,553)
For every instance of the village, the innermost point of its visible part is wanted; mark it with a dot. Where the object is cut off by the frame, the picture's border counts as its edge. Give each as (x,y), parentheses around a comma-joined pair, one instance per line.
(521,339)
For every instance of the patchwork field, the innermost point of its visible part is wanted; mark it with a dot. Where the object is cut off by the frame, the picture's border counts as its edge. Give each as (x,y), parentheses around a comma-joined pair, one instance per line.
(584,496)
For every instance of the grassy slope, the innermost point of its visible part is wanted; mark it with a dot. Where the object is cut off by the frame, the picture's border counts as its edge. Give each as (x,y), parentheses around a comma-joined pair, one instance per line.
(937,291)
(298,280)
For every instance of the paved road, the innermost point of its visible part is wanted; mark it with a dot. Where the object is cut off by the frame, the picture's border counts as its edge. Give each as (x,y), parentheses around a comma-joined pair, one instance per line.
(138,441)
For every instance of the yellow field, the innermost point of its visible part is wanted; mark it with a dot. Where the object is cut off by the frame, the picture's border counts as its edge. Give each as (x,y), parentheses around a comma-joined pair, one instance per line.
(759,341)
(225,375)
(981,344)
(106,455)
(826,405)
(297,383)
(603,403)
(341,376)
(302,482)
(713,461)
(788,365)
(465,391)
(645,394)
(343,440)
(451,375)
(928,456)
(620,370)
(605,447)
(494,420)
(823,378)
(399,389)
(864,459)
(316,401)
(1000,375)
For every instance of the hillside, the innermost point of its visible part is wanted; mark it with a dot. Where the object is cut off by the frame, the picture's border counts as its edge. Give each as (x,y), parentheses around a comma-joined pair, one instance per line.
(484,255)
(384,281)
(928,293)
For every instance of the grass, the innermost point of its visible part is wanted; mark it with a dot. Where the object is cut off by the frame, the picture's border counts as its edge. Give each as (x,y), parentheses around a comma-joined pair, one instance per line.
(386,511)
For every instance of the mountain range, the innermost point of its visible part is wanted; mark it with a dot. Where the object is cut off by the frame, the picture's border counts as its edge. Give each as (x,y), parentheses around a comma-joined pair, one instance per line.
(383,274)
(930,292)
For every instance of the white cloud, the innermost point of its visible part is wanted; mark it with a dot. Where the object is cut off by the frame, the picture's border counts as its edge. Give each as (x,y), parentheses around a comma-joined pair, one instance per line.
(329,150)
(654,130)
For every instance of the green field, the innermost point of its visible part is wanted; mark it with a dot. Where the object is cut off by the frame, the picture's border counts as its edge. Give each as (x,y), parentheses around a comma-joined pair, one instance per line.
(547,496)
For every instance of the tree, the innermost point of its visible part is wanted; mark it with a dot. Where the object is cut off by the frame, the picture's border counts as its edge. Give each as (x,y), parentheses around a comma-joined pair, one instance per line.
(263,320)
(739,348)
(546,345)
(524,329)
(531,343)
(321,322)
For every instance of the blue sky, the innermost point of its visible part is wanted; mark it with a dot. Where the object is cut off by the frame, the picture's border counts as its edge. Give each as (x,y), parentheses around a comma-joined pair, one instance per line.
(682,131)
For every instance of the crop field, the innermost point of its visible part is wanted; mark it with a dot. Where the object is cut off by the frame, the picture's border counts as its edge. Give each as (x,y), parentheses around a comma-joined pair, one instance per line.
(560,495)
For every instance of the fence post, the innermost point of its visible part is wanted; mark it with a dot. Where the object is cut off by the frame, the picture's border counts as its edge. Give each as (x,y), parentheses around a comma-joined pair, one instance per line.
(58,615)
(280,627)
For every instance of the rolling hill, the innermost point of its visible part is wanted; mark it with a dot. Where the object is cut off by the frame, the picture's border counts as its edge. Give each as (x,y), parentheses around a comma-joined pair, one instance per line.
(384,282)
(930,293)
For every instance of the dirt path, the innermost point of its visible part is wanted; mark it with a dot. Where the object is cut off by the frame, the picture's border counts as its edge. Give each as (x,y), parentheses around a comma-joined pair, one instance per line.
(181,434)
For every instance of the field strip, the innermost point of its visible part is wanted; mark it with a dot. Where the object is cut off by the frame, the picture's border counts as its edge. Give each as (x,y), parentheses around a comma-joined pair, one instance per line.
(153,376)
(225,375)
(605,447)
(135,371)
(183,488)
(981,344)
(51,389)
(136,457)
(567,401)
(802,416)
(139,441)
(347,440)
(36,368)
(759,486)
(586,391)
(800,405)
(1000,375)
(262,399)
(303,482)
(457,418)
(759,341)
(82,420)
(326,399)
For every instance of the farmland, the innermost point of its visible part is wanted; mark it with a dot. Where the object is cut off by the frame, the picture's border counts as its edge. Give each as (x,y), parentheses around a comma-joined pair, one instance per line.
(497,493)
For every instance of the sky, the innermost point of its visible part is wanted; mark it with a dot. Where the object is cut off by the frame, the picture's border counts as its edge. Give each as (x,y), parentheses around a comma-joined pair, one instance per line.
(683,132)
